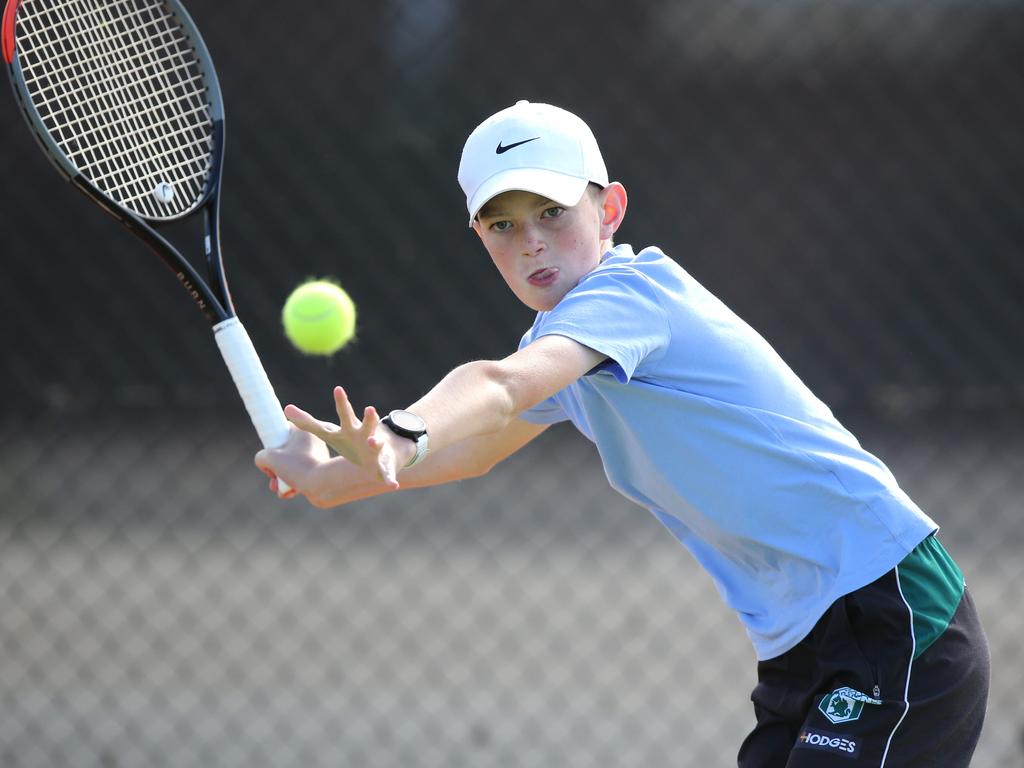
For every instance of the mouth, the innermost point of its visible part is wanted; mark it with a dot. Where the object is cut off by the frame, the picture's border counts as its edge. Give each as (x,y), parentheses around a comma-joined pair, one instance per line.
(543,277)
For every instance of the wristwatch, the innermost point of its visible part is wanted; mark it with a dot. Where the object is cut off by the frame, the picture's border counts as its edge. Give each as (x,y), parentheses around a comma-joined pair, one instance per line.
(410,426)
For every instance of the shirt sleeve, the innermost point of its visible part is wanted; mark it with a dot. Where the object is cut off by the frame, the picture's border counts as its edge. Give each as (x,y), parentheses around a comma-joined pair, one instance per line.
(616,311)
(546,412)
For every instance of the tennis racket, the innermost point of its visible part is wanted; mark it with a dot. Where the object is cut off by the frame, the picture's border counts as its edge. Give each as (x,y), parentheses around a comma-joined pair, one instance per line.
(123,98)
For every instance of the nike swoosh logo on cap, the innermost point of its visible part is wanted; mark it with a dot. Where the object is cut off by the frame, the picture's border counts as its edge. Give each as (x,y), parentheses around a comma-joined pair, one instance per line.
(507,147)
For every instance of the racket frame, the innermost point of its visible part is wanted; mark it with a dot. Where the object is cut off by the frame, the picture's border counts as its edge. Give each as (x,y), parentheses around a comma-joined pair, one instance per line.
(211,295)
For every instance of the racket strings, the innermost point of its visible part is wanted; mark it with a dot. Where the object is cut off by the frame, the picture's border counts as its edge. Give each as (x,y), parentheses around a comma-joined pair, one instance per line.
(84,128)
(124,147)
(57,113)
(121,91)
(114,60)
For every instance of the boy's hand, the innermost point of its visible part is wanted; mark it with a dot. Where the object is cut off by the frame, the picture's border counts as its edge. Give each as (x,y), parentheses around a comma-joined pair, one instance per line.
(295,461)
(364,443)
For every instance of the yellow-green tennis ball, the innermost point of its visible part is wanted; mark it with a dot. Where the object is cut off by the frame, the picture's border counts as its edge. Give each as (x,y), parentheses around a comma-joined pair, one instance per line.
(319,318)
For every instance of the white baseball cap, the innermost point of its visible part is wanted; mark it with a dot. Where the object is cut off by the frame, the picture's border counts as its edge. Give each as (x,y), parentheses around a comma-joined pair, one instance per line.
(536,148)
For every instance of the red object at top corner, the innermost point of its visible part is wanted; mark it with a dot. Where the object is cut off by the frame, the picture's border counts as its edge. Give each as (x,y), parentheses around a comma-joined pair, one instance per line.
(8,29)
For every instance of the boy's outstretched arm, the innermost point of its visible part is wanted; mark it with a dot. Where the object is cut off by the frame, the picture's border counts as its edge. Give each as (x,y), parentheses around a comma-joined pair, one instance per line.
(330,482)
(485,396)
(477,402)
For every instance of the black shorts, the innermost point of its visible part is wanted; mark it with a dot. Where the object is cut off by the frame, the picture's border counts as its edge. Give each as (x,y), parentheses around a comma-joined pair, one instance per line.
(852,693)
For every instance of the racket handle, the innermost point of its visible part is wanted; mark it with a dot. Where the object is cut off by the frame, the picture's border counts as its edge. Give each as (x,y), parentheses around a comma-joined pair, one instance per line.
(253,385)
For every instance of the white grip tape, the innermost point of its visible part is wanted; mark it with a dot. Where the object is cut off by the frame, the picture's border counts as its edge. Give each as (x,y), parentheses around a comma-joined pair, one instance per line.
(253,385)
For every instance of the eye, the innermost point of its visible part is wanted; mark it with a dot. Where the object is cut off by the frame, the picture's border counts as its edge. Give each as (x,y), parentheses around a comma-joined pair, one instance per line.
(553,212)
(501,226)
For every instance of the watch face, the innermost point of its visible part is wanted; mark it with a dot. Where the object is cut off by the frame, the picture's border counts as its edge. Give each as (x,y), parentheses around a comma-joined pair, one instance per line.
(409,422)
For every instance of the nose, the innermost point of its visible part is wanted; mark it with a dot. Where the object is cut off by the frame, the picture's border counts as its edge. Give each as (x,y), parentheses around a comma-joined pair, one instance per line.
(532,243)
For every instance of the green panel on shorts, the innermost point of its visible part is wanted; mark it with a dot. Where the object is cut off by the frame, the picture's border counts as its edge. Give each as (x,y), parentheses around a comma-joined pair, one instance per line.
(932,585)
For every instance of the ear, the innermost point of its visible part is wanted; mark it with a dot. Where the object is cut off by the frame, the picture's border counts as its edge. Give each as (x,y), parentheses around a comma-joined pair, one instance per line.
(613,209)
(476,228)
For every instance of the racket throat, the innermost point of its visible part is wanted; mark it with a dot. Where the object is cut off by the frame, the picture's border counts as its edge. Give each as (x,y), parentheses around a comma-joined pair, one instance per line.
(211,225)
(214,260)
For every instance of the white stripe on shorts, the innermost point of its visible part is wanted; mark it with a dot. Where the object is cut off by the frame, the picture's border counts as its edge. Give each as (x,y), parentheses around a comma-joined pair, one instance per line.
(906,688)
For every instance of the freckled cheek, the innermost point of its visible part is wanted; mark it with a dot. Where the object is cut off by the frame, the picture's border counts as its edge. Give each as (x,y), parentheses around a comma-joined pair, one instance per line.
(572,247)
(572,242)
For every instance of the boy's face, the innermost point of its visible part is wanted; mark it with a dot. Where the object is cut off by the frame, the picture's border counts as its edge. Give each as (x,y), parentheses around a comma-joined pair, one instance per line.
(543,249)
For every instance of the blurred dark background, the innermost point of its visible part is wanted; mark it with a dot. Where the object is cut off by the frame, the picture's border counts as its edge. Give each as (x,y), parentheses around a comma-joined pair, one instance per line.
(848,175)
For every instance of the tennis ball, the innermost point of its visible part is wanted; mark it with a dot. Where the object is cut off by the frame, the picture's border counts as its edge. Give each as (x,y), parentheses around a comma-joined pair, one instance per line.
(319,318)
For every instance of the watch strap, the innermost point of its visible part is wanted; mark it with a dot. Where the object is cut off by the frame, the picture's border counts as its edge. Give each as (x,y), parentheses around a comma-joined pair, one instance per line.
(421,451)
(420,438)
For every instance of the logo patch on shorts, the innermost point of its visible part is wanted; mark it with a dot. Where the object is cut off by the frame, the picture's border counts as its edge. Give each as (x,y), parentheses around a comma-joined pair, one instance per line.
(844,746)
(844,705)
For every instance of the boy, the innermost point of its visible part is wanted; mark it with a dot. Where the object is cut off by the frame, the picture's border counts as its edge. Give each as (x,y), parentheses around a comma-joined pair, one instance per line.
(869,649)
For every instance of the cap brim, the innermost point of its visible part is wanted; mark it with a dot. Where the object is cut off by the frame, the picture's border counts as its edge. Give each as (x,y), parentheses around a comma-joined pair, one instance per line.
(562,189)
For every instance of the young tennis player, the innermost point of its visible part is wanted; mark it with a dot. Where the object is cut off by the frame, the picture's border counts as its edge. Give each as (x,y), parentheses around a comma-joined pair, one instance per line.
(869,649)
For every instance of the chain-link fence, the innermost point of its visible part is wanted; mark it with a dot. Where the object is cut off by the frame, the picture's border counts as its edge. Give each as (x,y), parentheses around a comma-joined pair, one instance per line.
(847,175)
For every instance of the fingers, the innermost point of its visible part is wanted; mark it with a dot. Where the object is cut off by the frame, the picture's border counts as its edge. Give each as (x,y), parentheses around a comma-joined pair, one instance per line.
(303,420)
(351,438)
(261,459)
(307,425)
(384,461)
(346,416)
(386,471)
(275,486)
(347,420)
(370,420)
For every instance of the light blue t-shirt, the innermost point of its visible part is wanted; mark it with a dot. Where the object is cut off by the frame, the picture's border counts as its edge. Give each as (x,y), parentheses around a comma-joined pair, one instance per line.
(699,420)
